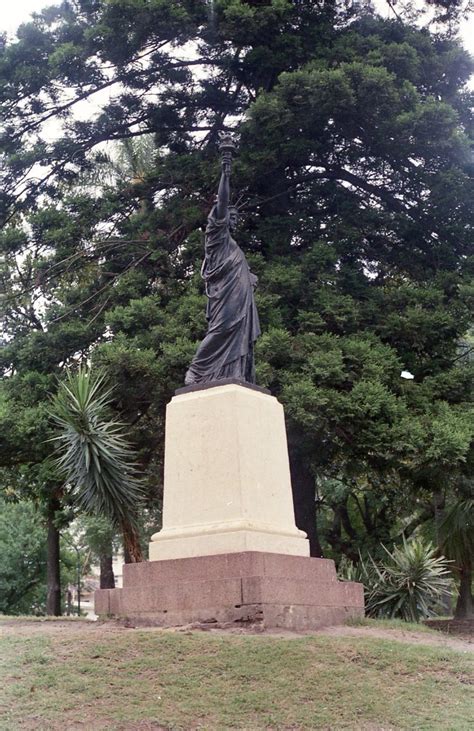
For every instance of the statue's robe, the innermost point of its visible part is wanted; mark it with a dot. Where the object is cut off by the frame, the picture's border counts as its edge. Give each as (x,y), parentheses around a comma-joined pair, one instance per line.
(233,325)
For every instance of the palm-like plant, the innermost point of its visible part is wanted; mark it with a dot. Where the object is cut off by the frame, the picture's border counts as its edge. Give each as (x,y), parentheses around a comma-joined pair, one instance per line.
(407,585)
(94,455)
(456,535)
(413,579)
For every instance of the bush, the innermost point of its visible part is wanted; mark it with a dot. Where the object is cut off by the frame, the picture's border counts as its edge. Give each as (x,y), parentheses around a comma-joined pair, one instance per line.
(22,559)
(407,585)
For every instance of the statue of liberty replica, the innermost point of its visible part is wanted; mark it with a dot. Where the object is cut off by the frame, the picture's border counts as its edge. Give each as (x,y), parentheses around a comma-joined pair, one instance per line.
(229,548)
(227,350)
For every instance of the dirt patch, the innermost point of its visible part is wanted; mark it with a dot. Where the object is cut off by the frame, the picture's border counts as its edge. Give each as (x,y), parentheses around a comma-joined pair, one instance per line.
(100,630)
(463,627)
(54,627)
(415,638)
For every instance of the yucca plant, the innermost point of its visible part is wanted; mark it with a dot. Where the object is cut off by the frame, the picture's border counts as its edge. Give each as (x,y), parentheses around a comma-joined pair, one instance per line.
(407,585)
(456,535)
(94,455)
(364,572)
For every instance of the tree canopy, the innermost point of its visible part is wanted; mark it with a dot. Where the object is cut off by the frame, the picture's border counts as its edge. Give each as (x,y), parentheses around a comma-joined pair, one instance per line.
(356,180)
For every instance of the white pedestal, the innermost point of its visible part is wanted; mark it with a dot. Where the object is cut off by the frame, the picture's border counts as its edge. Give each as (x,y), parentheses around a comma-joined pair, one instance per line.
(227,485)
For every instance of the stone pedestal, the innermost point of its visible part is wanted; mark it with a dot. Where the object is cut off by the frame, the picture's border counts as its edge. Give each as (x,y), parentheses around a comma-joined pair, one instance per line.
(227,481)
(229,551)
(263,590)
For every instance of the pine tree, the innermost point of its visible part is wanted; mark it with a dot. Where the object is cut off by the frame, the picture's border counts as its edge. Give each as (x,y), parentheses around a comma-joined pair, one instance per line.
(357,182)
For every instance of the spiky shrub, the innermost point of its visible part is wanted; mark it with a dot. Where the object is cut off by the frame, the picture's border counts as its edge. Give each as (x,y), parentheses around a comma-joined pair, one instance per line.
(94,455)
(365,572)
(407,585)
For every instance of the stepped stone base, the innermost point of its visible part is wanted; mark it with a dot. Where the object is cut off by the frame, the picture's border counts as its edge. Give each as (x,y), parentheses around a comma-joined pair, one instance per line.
(267,590)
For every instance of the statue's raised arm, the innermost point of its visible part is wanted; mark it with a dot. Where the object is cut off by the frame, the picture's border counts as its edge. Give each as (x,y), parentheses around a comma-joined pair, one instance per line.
(233,326)
(227,148)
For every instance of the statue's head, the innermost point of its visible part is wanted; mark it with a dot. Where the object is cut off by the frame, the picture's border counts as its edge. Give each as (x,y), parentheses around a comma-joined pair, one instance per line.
(233,217)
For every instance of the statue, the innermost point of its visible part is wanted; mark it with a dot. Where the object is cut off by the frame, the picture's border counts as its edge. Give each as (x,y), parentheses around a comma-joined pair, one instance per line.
(227,350)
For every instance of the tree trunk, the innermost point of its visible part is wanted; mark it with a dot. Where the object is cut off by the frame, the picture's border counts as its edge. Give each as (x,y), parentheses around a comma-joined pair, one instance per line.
(465,604)
(335,539)
(131,543)
(302,482)
(53,597)
(107,578)
(439,503)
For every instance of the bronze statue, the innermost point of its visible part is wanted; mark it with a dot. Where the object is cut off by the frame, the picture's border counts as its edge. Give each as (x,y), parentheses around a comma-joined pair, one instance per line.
(227,350)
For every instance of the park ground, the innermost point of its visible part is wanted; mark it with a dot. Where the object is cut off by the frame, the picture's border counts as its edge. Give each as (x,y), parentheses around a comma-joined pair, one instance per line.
(375,676)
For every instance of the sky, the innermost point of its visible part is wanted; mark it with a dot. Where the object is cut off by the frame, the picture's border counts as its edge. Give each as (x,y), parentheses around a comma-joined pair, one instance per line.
(18,11)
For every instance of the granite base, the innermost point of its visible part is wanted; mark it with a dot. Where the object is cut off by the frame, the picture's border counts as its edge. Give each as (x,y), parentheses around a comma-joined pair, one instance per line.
(264,590)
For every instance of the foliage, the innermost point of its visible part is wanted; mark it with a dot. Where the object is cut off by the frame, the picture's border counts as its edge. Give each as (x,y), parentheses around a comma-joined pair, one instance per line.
(407,584)
(457,533)
(98,534)
(94,454)
(357,179)
(23,559)
(95,457)
(456,538)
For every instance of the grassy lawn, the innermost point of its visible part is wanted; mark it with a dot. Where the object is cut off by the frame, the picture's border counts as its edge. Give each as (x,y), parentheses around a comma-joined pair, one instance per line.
(93,678)
(388,624)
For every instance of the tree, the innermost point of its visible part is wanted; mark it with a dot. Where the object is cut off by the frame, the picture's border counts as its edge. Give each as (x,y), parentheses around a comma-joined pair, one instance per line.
(23,559)
(457,542)
(100,537)
(95,458)
(28,473)
(432,13)
(354,164)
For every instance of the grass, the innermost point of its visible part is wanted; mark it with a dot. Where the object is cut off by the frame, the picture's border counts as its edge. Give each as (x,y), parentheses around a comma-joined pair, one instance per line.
(130,679)
(46,618)
(398,624)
